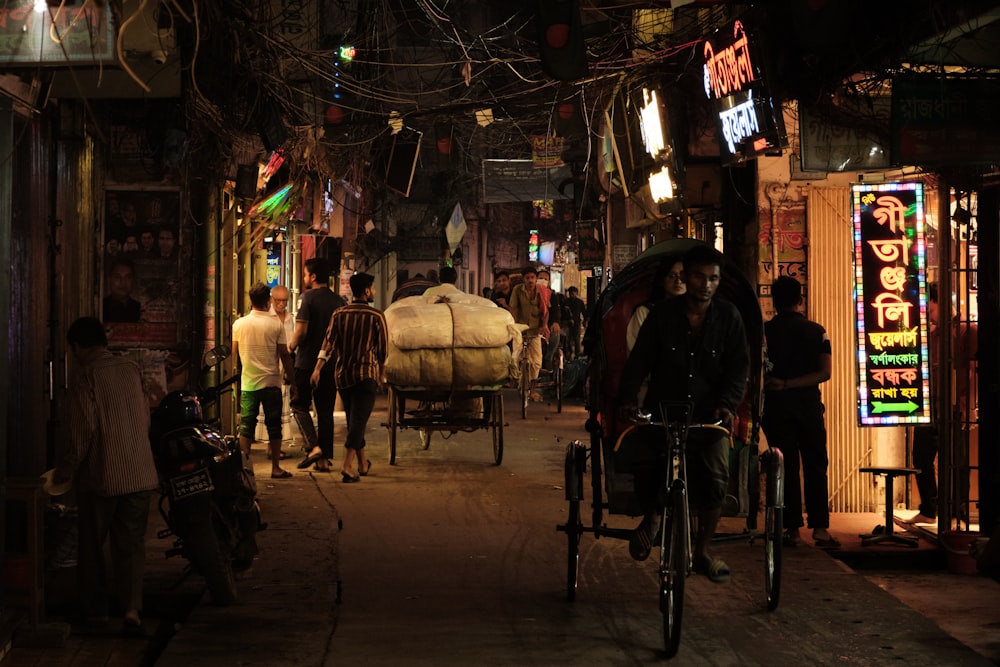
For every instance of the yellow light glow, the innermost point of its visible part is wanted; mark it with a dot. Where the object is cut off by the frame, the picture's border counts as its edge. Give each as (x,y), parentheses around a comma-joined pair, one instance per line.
(652,130)
(660,185)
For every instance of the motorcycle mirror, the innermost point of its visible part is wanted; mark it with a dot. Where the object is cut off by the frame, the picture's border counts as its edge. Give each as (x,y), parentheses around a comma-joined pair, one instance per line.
(215,355)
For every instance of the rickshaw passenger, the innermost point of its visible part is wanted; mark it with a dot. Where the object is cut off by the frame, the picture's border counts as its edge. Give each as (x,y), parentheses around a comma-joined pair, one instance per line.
(668,283)
(694,349)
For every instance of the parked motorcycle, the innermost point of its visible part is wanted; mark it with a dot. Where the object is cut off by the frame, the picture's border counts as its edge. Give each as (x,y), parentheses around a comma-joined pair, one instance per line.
(208,493)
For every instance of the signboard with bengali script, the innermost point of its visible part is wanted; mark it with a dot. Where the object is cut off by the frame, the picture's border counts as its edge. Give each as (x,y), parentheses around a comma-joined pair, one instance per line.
(890,292)
(749,119)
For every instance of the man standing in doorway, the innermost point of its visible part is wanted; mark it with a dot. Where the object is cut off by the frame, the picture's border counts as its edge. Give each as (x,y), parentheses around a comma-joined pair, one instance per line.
(799,350)
(311,322)
(694,350)
(112,461)
(356,342)
(528,307)
(260,345)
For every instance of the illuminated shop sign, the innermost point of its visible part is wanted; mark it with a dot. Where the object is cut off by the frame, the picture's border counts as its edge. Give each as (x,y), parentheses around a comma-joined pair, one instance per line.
(33,33)
(533,245)
(656,141)
(651,125)
(749,121)
(890,291)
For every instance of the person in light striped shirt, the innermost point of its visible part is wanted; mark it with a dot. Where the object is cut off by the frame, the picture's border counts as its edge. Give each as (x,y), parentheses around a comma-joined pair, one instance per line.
(110,457)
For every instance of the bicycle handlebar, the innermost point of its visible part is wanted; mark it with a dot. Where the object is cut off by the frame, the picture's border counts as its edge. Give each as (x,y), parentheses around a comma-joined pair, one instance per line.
(639,420)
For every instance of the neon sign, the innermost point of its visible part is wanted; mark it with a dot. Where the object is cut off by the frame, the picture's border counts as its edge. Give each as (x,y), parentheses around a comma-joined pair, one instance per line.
(749,121)
(730,70)
(533,245)
(890,290)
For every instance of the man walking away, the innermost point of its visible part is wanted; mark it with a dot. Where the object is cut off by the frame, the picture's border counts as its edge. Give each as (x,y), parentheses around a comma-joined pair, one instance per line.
(576,310)
(311,322)
(799,350)
(260,345)
(356,341)
(110,456)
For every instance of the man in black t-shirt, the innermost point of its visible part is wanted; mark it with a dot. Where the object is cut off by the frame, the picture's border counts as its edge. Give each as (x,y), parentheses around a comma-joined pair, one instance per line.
(311,321)
(573,309)
(799,350)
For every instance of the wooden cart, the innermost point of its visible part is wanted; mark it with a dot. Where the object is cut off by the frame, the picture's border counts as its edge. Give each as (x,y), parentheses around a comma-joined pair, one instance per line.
(433,409)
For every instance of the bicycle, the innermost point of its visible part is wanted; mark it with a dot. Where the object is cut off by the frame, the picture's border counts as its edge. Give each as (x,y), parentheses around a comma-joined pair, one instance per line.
(525,385)
(676,556)
(675,562)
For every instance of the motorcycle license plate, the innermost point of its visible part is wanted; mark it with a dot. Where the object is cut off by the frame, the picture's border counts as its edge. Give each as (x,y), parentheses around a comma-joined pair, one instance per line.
(189,485)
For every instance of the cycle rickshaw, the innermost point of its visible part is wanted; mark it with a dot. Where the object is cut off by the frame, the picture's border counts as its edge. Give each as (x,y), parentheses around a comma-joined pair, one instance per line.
(611,486)
(450,388)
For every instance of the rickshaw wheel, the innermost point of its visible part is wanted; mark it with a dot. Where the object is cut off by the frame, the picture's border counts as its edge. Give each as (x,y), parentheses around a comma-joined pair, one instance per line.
(574,529)
(772,555)
(425,438)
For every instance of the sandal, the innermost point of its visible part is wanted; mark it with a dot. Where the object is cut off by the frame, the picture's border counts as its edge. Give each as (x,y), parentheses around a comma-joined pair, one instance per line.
(830,543)
(641,542)
(309,460)
(716,570)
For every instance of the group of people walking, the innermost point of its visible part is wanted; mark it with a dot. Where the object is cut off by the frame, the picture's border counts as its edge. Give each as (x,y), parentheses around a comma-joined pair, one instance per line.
(338,348)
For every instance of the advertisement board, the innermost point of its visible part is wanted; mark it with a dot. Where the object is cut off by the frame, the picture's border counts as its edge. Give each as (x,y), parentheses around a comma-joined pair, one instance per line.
(749,119)
(890,290)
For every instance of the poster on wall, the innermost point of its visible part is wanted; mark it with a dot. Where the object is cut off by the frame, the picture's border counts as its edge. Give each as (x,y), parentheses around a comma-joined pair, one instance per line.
(141,284)
(890,291)
(781,246)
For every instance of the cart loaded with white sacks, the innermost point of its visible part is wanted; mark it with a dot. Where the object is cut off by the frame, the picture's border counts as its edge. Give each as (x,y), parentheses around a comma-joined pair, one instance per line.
(449,357)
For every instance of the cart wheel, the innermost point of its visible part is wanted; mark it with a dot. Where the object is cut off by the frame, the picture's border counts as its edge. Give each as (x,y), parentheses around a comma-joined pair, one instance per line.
(497,419)
(393,414)
(674,561)
(425,438)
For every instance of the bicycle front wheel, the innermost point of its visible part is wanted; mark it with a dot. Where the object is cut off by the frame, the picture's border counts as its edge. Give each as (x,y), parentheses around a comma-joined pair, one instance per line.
(557,378)
(674,562)
(524,384)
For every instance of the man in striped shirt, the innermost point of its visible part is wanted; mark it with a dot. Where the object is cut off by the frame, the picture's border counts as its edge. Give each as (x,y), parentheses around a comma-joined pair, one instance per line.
(259,343)
(356,341)
(111,458)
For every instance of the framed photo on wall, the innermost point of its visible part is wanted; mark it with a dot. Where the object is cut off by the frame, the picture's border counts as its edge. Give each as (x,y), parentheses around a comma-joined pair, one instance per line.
(141,284)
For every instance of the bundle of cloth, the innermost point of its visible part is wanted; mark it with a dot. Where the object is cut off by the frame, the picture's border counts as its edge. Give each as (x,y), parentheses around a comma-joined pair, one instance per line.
(455,341)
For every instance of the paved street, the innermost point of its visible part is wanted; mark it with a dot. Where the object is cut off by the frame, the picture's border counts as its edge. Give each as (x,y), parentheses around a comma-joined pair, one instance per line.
(446,559)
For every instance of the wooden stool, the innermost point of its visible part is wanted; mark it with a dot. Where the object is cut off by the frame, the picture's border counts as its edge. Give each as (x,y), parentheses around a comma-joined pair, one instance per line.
(887,535)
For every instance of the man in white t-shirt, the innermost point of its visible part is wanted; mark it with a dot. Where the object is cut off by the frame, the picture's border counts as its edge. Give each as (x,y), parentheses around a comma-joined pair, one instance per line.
(260,344)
